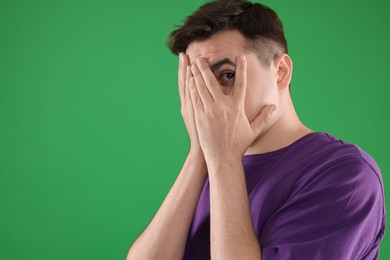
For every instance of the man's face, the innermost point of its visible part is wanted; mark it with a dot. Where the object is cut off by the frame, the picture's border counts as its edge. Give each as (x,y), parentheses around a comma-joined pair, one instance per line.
(221,52)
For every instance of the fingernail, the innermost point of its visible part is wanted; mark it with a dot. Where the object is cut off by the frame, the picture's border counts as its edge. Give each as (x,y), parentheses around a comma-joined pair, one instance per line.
(197,61)
(243,58)
(273,109)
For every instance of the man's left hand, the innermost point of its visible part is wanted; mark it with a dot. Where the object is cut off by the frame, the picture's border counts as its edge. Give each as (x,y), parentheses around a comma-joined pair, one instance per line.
(223,127)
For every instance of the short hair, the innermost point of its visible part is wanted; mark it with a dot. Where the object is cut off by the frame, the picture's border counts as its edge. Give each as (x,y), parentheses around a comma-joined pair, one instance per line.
(260,25)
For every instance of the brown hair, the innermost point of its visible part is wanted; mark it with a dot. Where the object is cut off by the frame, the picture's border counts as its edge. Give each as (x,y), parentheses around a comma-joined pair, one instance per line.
(259,24)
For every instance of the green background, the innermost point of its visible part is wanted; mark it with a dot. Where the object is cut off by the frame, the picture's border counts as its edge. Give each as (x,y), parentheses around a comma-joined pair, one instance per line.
(91,135)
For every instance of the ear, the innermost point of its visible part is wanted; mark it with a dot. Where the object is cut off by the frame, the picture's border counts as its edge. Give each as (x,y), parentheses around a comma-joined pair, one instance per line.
(283,65)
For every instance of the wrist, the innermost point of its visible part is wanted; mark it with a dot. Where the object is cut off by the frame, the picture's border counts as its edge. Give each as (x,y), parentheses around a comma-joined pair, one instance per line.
(224,164)
(196,155)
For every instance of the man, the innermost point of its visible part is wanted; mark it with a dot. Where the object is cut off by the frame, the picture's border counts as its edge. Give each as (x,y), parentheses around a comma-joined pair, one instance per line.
(257,183)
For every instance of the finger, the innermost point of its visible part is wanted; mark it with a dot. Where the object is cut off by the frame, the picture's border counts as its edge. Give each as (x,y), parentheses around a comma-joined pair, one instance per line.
(239,89)
(209,78)
(183,62)
(195,98)
(187,84)
(203,91)
(262,119)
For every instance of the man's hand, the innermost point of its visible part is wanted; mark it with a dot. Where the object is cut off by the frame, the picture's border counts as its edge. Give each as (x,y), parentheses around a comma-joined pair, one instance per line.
(221,122)
(187,111)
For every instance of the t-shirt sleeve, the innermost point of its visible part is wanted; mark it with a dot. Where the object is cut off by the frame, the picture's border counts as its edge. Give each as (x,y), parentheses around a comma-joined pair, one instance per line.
(338,214)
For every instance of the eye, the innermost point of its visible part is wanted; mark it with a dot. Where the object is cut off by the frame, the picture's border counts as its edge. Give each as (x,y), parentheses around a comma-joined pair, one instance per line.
(227,78)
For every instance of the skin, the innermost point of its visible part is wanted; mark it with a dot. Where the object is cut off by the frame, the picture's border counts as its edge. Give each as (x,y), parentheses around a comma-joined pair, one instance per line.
(265,86)
(230,111)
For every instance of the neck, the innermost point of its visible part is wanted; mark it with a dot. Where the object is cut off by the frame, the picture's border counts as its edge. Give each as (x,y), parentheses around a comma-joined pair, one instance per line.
(286,130)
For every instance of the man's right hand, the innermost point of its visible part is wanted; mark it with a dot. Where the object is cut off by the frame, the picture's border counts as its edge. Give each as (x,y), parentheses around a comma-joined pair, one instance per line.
(187,111)
(174,217)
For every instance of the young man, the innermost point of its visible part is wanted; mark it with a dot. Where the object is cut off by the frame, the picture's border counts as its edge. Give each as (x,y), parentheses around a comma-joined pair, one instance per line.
(257,183)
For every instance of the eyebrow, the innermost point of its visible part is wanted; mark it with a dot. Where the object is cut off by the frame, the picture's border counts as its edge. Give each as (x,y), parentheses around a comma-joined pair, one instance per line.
(222,62)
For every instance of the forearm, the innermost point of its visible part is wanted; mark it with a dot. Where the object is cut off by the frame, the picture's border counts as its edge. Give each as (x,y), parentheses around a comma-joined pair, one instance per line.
(232,234)
(166,235)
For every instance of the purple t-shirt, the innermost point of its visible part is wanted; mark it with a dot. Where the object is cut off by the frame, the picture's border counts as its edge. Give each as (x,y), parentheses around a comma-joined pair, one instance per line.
(318,198)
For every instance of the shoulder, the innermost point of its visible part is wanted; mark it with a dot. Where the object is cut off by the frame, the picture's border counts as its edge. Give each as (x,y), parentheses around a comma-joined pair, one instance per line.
(336,170)
(336,197)
(348,176)
(324,152)
(326,160)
